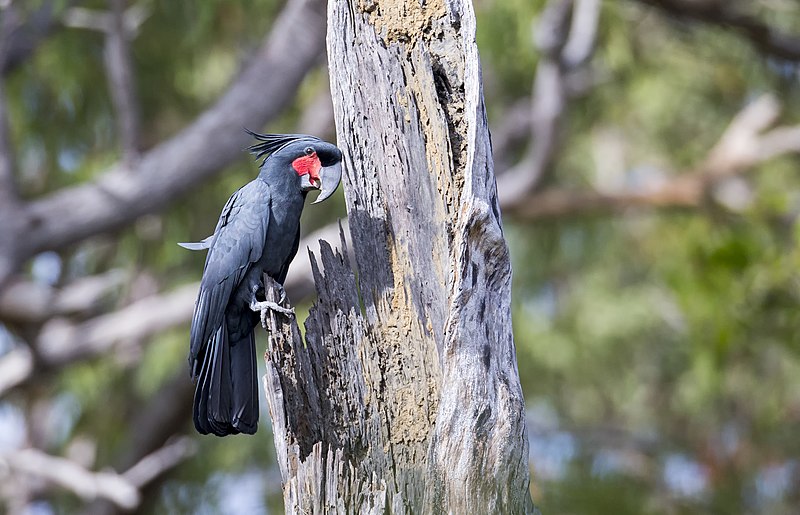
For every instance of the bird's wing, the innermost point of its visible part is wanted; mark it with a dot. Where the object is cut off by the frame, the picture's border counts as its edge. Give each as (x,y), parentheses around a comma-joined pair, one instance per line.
(238,242)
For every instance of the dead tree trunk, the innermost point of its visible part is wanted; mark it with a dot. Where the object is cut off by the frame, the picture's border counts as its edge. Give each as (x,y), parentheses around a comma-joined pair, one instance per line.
(405,397)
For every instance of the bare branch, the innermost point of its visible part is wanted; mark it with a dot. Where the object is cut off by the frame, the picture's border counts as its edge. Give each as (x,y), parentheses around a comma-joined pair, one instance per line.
(197,153)
(62,342)
(158,462)
(556,203)
(25,36)
(742,147)
(548,100)
(119,26)
(15,367)
(739,147)
(153,425)
(8,185)
(782,140)
(513,130)
(9,24)
(71,476)
(27,302)
(764,37)
(89,19)
(121,489)
(103,21)
(121,84)
(158,419)
(566,36)
(582,33)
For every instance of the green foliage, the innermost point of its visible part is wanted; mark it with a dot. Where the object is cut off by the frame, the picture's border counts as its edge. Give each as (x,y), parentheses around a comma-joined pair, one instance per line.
(675,332)
(653,339)
(505,38)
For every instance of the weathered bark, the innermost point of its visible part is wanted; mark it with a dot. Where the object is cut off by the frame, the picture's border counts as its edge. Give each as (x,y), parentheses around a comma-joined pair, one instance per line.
(405,397)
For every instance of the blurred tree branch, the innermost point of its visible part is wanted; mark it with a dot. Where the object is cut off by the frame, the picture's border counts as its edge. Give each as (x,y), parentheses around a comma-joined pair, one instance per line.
(159,420)
(8,186)
(764,37)
(25,302)
(742,147)
(71,476)
(11,30)
(87,320)
(16,366)
(53,320)
(66,335)
(119,25)
(22,36)
(61,342)
(159,461)
(565,36)
(121,489)
(130,19)
(175,166)
(121,83)
(746,143)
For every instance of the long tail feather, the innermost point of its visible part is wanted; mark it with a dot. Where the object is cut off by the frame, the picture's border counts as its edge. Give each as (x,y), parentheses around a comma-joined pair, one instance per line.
(244,408)
(226,395)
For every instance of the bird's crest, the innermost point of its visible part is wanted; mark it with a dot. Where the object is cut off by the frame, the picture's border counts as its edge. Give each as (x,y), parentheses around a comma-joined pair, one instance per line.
(271,143)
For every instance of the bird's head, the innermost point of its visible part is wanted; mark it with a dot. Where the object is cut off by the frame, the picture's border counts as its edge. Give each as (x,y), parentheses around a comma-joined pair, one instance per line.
(317,163)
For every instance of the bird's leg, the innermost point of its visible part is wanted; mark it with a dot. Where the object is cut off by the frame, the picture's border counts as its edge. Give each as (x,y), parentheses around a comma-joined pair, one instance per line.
(266,305)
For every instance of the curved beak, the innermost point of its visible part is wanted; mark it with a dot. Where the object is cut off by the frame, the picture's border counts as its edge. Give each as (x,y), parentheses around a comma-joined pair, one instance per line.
(330,176)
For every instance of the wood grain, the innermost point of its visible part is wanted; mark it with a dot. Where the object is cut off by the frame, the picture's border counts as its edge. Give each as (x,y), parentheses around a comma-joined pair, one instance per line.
(405,396)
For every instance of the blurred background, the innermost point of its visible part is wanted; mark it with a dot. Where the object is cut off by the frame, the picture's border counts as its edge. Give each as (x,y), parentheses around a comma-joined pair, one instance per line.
(647,162)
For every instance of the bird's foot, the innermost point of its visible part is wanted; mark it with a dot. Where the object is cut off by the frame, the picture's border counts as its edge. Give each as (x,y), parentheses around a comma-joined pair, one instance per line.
(265,306)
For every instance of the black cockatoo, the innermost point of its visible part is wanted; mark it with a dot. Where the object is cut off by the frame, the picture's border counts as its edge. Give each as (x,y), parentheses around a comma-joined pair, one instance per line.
(257,232)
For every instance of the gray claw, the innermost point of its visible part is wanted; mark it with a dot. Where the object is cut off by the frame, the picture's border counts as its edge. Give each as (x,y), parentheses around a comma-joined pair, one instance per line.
(282,298)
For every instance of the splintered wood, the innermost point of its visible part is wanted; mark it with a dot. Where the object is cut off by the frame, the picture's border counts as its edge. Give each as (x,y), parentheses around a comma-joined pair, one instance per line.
(405,396)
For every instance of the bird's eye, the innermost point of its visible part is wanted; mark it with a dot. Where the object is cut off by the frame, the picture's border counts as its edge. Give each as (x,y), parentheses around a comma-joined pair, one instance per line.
(309,151)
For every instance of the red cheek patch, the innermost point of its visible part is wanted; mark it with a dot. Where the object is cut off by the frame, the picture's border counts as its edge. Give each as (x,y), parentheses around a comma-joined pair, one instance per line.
(308,165)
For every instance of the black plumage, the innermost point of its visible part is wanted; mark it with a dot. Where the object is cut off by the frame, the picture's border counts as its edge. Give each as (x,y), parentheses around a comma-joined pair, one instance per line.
(258,232)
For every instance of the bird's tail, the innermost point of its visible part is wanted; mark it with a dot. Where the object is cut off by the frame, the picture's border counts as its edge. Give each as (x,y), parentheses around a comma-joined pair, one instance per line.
(226,394)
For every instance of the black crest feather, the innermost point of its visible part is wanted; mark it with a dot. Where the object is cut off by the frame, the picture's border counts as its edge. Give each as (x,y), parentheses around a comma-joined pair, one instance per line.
(271,143)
